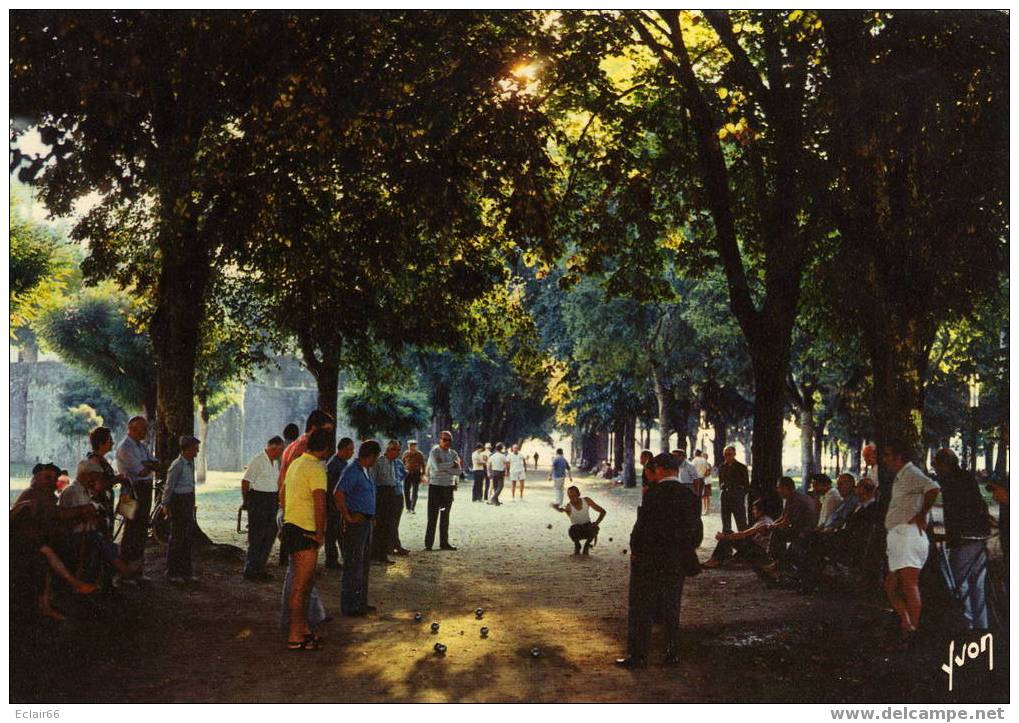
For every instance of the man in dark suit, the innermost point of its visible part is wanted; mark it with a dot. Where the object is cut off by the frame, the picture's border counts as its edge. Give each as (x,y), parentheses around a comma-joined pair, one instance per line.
(734,481)
(663,548)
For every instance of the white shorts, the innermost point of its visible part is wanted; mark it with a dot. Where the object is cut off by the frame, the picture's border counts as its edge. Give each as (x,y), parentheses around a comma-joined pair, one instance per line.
(517,475)
(907,547)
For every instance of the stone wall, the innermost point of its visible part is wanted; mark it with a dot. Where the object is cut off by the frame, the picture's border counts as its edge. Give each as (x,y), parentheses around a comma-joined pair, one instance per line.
(276,397)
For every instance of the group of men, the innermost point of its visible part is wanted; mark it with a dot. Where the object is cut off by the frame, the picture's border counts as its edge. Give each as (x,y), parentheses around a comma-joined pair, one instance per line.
(70,535)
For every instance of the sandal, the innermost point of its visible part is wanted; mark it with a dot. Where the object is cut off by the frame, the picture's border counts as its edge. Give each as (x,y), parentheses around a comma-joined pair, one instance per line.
(306,644)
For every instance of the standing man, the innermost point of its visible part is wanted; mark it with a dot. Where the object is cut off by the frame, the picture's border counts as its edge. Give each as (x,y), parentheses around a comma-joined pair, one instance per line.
(517,471)
(443,468)
(136,463)
(316,420)
(913,494)
(355,499)
(485,454)
(663,551)
(497,466)
(557,473)
(535,461)
(260,495)
(179,507)
(414,463)
(383,474)
(478,470)
(734,482)
(334,469)
(703,468)
(687,472)
(967,527)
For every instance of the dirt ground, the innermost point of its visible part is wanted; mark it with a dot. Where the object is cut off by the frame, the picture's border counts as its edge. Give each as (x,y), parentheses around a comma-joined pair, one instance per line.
(219,640)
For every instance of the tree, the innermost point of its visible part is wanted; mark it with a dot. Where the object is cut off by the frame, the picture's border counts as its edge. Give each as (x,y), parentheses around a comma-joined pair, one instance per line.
(921,104)
(81,390)
(95,331)
(385,411)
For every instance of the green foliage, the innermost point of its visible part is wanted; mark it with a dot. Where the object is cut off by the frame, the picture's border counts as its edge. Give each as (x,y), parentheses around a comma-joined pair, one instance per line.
(82,391)
(93,331)
(77,422)
(387,412)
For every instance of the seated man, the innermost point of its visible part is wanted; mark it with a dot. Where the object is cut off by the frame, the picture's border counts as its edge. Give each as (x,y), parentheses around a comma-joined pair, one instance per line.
(829,499)
(789,533)
(87,539)
(750,544)
(859,544)
(846,485)
(36,528)
(581,528)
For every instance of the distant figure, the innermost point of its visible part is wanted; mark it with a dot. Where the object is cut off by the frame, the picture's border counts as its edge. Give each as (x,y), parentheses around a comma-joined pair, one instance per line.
(663,548)
(355,499)
(497,466)
(443,466)
(304,528)
(179,507)
(581,528)
(734,482)
(478,470)
(557,473)
(535,461)
(870,470)
(703,467)
(136,463)
(687,472)
(517,471)
(260,495)
(913,495)
(414,463)
(334,470)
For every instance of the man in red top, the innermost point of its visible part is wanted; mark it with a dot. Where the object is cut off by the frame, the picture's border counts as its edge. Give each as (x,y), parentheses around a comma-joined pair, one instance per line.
(316,420)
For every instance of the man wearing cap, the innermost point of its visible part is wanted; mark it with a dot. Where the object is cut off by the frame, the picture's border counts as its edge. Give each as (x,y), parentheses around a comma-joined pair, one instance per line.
(136,463)
(179,508)
(414,463)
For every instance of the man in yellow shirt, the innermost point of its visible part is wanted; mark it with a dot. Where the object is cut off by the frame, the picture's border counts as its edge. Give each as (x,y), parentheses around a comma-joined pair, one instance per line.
(303,499)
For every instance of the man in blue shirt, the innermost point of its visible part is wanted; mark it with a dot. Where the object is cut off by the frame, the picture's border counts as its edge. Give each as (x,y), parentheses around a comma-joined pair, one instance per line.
(355,499)
(179,508)
(334,470)
(560,468)
(847,489)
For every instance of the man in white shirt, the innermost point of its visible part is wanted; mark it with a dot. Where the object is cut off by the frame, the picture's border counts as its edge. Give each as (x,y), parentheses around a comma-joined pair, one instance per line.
(687,472)
(869,471)
(517,471)
(827,495)
(260,493)
(497,467)
(703,467)
(478,470)
(913,495)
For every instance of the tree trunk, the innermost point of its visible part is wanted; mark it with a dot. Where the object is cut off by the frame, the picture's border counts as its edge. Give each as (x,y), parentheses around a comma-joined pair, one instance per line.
(989,454)
(629,468)
(664,411)
(718,444)
(806,418)
(855,454)
(202,460)
(818,466)
(1000,465)
(770,370)
(618,442)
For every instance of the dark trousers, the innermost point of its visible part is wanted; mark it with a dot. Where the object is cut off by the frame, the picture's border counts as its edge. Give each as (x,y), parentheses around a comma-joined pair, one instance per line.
(387,500)
(745,548)
(332,543)
(397,516)
(136,531)
(586,532)
(182,529)
(439,498)
(652,592)
(734,506)
(355,545)
(262,508)
(787,547)
(410,490)
(498,479)
(478,493)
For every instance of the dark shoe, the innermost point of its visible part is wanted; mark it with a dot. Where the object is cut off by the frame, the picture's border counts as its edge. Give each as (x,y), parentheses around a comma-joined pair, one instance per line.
(711,562)
(671,659)
(402,551)
(446,547)
(631,662)
(428,548)
(370,608)
(384,561)
(355,614)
